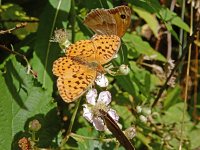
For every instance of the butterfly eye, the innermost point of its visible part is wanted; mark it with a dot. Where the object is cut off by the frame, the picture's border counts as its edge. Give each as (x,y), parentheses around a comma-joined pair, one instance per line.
(123,16)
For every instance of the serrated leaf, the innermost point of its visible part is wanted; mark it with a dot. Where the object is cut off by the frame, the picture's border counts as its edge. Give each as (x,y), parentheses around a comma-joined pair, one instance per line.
(21,99)
(54,15)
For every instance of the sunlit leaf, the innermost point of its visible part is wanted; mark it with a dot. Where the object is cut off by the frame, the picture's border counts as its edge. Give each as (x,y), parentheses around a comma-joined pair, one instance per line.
(22,98)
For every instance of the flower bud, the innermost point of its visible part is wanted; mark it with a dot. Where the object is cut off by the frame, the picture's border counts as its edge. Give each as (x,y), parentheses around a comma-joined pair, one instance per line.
(139,109)
(130,132)
(143,118)
(124,69)
(34,125)
(146,111)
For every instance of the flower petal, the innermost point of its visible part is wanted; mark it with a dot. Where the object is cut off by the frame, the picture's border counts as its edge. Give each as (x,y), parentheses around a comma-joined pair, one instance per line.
(113,114)
(87,113)
(98,124)
(91,96)
(101,80)
(104,97)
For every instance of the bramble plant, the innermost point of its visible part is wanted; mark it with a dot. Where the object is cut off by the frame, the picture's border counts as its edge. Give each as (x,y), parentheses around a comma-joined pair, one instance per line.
(144,88)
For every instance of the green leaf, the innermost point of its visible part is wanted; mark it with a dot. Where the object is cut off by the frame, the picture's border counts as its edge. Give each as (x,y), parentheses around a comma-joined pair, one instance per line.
(149,18)
(145,81)
(54,16)
(171,30)
(177,109)
(136,43)
(171,97)
(194,137)
(170,17)
(126,115)
(87,144)
(22,98)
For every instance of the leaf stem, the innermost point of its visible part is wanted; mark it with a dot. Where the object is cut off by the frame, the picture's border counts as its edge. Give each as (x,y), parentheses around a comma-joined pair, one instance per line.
(92,138)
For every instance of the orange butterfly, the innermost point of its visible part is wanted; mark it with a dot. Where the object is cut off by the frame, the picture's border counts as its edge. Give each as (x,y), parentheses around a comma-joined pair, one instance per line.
(77,71)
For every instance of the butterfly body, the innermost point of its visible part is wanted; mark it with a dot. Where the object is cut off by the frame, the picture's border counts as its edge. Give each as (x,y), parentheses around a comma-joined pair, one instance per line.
(77,71)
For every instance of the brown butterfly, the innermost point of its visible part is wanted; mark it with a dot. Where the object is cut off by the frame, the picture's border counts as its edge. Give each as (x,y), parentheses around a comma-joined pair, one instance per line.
(109,21)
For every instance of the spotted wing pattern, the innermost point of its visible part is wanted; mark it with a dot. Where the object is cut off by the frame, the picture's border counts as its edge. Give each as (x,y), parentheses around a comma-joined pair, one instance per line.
(78,69)
(73,78)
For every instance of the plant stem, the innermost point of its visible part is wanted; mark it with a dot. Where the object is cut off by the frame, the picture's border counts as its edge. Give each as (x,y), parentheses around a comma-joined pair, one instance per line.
(65,139)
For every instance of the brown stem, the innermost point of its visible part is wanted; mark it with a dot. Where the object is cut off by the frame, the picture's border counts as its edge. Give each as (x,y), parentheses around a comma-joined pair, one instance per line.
(165,86)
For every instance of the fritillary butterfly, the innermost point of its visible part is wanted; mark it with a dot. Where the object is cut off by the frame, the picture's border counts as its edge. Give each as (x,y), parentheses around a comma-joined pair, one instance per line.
(77,71)
(109,21)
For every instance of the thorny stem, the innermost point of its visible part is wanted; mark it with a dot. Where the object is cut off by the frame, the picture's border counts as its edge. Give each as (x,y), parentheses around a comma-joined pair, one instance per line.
(165,86)
(65,139)
(18,54)
(18,26)
(20,21)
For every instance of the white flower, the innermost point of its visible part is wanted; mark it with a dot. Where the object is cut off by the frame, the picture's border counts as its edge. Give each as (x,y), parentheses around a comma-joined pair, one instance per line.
(101,80)
(104,97)
(113,114)
(91,110)
(91,96)
(86,113)
(98,124)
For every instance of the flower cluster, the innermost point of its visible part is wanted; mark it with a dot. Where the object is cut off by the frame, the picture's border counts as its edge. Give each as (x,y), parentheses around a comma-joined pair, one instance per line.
(91,110)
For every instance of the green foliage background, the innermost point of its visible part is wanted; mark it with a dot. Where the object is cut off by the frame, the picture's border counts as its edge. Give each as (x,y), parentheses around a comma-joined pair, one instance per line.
(24,98)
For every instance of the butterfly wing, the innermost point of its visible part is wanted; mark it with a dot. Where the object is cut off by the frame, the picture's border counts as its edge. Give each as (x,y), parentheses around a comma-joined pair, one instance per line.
(122,15)
(106,47)
(82,50)
(73,78)
(109,21)
(101,22)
